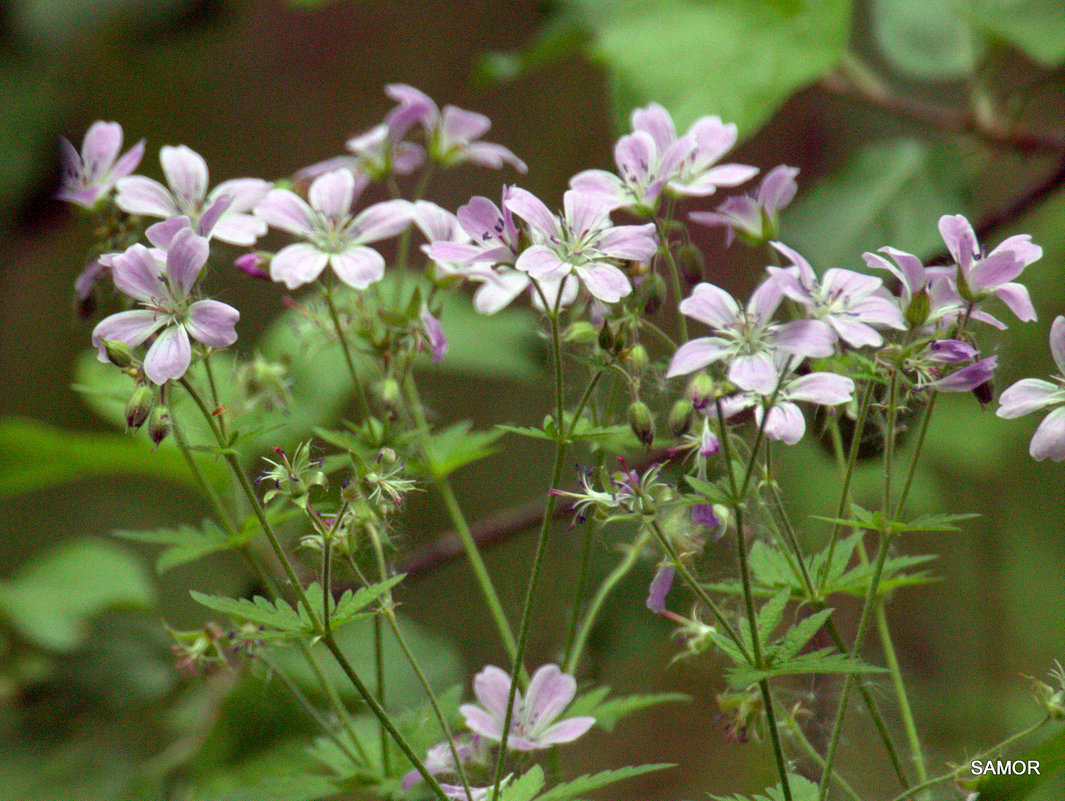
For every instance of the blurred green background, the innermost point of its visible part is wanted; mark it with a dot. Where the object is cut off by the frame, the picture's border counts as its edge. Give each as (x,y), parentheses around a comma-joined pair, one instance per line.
(262,88)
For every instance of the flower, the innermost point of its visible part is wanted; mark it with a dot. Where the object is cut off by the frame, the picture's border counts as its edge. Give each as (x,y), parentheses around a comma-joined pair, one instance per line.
(846,300)
(186,194)
(434,335)
(533,723)
(1030,394)
(583,242)
(452,134)
(979,277)
(161,282)
(333,236)
(89,175)
(754,218)
(747,339)
(440,760)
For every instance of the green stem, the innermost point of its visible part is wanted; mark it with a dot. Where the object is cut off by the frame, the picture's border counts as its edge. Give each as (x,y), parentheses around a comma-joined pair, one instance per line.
(796,731)
(214,391)
(905,711)
(360,391)
(569,655)
(674,275)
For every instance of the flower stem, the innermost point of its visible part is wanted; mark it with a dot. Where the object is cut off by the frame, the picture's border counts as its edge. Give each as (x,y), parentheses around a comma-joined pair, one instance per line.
(360,392)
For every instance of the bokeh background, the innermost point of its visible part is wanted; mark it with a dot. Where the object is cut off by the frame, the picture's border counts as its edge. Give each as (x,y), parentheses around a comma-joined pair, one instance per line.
(263,87)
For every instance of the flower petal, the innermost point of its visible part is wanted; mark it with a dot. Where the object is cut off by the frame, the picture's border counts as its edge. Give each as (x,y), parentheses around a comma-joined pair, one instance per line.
(605,281)
(140,195)
(169,356)
(331,194)
(297,264)
(137,271)
(1048,442)
(359,266)
(287,211)
(184,260)
(186,172)
(131,327)
(695,355)
(550,691)
(212,323)
(492,687)
(382,220)
(565,731)
(1025,396)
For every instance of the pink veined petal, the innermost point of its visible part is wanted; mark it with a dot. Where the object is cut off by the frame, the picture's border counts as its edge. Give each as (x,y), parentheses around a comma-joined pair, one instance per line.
(827,389)
(489,154)
(806,338)
(807,277)
(960,239)
(212,323)
(1057,343)
(358,266)
(695,355)
(140,195)
(531,209)
(636,155)
(711,305)
(659,589)
(778,188)
(184,260)
(237,229)
(162,233)
(542,262)
(713,137)
(382,220)
(286,211)
(100,147)
(877,310)
(437,224)
(1017,300)
(1048,442)
(458,125)
(497,293)
(657,122)
(550,691)
(765,300)
(755,372)
(136,272)
(784,422)
(480,722)
(331,195)
(968,378)
(604,186)
(605,281)
(482,220)
(131,327)
(186,172)
(297,264)
(565,731)
(633,242)
(708,182)
(245,193)
(1026,396)
(129,161)
(492,687)
(951,351)
(855,333)
(169,356)
(434,332)
(583,212)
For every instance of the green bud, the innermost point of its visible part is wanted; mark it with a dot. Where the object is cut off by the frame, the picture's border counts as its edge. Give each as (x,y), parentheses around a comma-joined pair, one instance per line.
(159,424)
(607,340)
(118,353)
(389,395)
(917,311)
(579,331)
(641,422)
(638,358)
(654,287)
(701,390)
(139,406)
(691,263)
(680,417)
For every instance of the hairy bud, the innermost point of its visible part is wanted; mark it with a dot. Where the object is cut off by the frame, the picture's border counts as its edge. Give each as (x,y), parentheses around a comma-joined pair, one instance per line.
(139,407)
(159,424)
(118,353)
(680,417)
(641,422)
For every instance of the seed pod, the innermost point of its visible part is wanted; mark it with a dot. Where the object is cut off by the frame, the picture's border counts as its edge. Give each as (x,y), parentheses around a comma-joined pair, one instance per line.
(159,424)
(654,287)
(680,417)
(917,311)
(139,407)
(691,263)
(390,396)
(638,358)
(579,331)
(641,422)
(118,353)
(701,390)
(606,337)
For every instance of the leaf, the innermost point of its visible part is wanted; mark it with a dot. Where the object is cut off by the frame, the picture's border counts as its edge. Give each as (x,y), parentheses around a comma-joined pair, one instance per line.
(802,789)
(456,446)
(927,39)
(820,661)
(797,636)
(608,713)
(53,600)
(283,788)
(1035,26)
(577,787)
(183,544)
(733,58)
(526,787)
(891,191)
(36,456)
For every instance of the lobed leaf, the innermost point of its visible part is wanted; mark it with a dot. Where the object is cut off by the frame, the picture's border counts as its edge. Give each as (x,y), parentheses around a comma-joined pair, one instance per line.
(576,787)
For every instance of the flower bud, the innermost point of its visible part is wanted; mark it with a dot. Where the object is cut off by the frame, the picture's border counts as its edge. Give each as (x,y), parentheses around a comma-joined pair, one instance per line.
(139,407)
(654,287)
(389,395)
(680,417)
(638,358)
(607,341)
(641,422)
(159,424)
(118,353)
(579,331)
(253,264)
(917,311)
(691,263)
(701,390)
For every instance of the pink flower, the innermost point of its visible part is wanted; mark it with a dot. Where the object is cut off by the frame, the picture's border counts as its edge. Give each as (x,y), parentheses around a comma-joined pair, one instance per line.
(1031,394)
(89,175)
(533,723)
(332,235)
(162,283)
(754,218)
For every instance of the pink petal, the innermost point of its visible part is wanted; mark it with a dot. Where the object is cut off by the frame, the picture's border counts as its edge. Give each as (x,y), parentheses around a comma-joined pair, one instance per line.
(245,193)
(1048,442)
(131,327)
(695,355)
(785,423)
(297,264)
(382,220)
(542,262)
(238,229)
(169,356)
(711,305)
(657,122)
(550,691)
(332,194)
(100,147)
(958,235)
(186,172)
(632,242)
(1057,343)
(186,257)
(358,267)
(755,372)
(212,323)
(531,209)
(480,722)
(140,195)
(136,272)
(286,211)
(492,688)
(1017,300)
(605,281)
(1026,396)
(565,731)
(459,125)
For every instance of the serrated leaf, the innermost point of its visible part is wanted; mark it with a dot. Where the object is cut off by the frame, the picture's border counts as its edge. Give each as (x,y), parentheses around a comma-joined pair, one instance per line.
(573,789)
(608,713)
(184,544)
(770,615)
(715,492)
(820,661)
(802,789)
(737,59)
(456,446)
(771,568)
(795,638)
(52,600)
(526,787)
(278,619)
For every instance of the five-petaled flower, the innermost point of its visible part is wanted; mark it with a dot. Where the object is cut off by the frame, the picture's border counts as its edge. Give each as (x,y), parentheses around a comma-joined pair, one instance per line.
(90,175)
(534,724)
(1031,394)
(333,236)
(754,218)
(162,283)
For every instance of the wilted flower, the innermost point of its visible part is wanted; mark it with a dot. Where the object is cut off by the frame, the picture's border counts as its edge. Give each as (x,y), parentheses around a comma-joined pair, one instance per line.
(1031,394)
(89,175)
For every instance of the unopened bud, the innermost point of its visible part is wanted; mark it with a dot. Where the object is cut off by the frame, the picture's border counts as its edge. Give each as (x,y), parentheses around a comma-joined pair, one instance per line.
(985,392)
(654,286)
(638,358)
(691,263)
(118,353)
(641,422)
(680,417)
(579,331)
(389,395)
(917,311)
(139,407)
(606,337)
(701,390)
(159,424)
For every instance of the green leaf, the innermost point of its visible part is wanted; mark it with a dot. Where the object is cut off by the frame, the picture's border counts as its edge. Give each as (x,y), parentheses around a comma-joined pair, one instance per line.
(53,600)
(795,638)
(525,788)
(283,788)
(36,456)
(183,544)
(820,661)
(891,191)
(1035,26)
(577,787)
(926,39)
(802,789)
(608,713)
(733,58)
(456,446)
